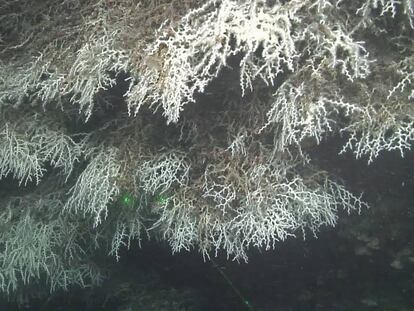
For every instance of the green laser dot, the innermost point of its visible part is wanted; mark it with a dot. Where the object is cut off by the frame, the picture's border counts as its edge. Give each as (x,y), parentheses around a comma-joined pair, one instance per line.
(127,199)
(161,199)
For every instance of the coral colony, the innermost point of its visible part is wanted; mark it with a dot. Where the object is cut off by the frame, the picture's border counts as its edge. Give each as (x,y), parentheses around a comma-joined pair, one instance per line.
(192,121)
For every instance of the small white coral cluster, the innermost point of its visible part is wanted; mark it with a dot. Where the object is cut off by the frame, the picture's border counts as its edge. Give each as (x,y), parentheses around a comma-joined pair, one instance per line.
(95,187)
(35,247)
(184,60)
(391,7)
(235,206)
(26,148)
